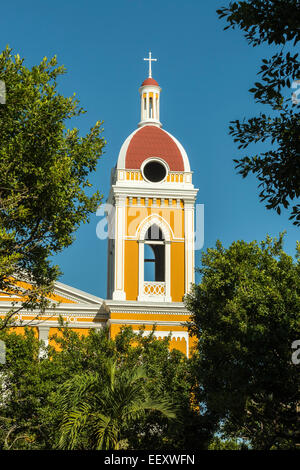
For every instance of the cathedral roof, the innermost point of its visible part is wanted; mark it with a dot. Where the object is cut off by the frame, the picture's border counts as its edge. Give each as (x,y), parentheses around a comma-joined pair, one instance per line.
(149,141)
(150,81)
(152,141)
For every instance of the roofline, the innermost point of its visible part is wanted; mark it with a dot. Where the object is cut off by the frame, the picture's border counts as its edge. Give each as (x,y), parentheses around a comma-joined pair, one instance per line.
(65,290)
(123,151)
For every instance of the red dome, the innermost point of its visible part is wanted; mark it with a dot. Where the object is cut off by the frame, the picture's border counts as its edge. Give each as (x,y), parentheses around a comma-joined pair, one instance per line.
(151,141)
(150,81)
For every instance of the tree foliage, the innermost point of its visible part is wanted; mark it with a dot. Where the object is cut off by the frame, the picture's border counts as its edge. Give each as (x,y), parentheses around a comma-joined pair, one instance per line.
(44,170)
(246,315)
(277,23)
(95,391)
(101,407)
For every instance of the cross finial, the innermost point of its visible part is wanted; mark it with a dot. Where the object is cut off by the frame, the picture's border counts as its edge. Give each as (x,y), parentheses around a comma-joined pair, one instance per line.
(150,60)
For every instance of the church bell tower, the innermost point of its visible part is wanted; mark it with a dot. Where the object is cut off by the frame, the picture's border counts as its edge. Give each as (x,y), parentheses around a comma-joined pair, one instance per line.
(150,244)
(151,250)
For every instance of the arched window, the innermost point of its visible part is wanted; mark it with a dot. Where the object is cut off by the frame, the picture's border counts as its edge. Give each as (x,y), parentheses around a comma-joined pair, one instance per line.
(155,262)
(154,255)
(151,107)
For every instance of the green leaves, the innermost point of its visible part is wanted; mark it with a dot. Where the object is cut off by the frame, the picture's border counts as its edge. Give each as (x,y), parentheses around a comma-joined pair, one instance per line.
(278,169)
(96,392)
(106,404)
(44,170)
(271,21)
(246,314)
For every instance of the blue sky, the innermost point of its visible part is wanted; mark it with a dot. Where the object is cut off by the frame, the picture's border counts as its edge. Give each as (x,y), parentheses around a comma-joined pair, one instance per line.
(205,74)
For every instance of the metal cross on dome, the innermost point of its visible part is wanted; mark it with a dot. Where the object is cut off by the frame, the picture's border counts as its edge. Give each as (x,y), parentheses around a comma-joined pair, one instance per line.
(150,60)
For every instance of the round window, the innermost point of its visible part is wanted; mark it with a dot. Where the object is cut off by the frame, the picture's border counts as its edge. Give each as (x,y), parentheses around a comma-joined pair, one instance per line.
(154,171)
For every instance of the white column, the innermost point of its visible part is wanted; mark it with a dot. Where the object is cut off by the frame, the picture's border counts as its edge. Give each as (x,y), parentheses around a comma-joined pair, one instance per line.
(189,243)
(43,336)
(147,106)
(168,271)
(119,293)
(141,269)
(142,107)
(44,333)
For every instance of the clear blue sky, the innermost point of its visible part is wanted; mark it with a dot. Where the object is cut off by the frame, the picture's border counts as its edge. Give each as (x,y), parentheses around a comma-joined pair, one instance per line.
(205,74)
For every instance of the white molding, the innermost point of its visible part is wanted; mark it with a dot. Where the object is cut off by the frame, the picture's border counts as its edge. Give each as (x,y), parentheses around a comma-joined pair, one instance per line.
(174,192)
(119,294)
(46,325)
(149,308)
(174,335)
(44,333)
(60,309)
(168,272)
(157,219)
(120,228)
(121,163)
(151,220)
(116,321)
(145,114)
(189,245)
(141,270)
(123,151)
(185,158)
(155,159)
(73,293)
(140,236)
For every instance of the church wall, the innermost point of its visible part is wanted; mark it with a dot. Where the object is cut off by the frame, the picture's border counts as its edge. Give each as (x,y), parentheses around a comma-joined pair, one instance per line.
(131,280)
(192,344)
(178,343)
(175,343)
(177,271)
(55,331)
(170,212)
(20,330)
(140,317)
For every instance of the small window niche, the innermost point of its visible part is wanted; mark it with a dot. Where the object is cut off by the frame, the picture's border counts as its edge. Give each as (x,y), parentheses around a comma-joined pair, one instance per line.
(154,255)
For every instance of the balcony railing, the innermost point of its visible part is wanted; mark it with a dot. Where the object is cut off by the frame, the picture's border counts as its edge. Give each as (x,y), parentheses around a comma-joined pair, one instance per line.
(154,289)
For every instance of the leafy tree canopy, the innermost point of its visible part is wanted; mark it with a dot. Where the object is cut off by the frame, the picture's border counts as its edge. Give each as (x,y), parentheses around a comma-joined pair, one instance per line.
(246,315)
(275,22)
(44,170)
(95,391)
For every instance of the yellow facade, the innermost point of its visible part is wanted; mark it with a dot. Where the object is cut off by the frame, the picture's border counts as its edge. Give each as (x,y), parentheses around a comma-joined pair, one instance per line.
(151,185)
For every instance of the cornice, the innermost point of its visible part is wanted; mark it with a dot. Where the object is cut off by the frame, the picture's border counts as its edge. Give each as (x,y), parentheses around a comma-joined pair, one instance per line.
(76,294)
(60,309)
(170,192)
(152,308)
(116,321)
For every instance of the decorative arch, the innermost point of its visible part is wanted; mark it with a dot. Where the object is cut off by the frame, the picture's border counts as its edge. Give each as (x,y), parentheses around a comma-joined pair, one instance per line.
(160,289)
(157,220)
(157,147)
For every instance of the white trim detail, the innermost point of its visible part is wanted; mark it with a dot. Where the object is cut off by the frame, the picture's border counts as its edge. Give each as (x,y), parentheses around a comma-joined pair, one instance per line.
(123,151)
(174,335)
(44,333)
(151,220)
(155,159)
(186,161)
(43,336)
(166,230)
(121,164)
(120,225)
(149,115)
(189,245)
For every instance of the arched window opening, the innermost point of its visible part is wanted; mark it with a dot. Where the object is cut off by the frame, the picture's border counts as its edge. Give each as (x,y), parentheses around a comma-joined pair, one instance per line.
(151,107)
(154,171)
(154,255)
(154,233)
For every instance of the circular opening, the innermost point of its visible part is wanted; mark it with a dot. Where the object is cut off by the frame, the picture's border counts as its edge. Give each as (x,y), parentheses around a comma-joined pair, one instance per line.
(154,171)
